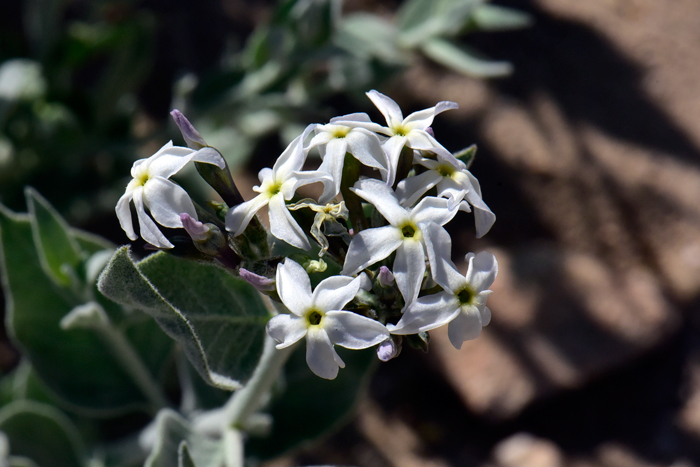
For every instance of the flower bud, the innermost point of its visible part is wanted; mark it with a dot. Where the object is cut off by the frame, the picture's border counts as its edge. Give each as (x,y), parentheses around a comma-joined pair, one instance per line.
(262,283)
(192,137)
(390,348)
(385,277)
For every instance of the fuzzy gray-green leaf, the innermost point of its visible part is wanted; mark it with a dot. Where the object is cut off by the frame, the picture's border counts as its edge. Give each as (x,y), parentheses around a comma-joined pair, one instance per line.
(218,319)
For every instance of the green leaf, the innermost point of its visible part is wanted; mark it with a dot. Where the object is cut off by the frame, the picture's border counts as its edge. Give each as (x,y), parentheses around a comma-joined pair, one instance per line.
(218,319)
(58,251)
(311,406)
(488,17)
(171,431)
(42,433)
(369,36)
(18,461)
(76,365)
(421,20)
(462,61)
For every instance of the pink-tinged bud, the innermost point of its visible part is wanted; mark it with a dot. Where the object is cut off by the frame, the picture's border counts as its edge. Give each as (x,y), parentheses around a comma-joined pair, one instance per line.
(351,232)
(385,277)
(430,131)
(388,349)
(262,283)
(197,230)
(192,137)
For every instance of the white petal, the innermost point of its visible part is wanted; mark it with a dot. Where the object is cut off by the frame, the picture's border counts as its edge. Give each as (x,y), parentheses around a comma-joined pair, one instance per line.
(323,136)
(353,331)
(392,147)
(424,118)
(238,217)
(482,271)
(367,149)
(333,165)
(293,157)
(209,155)
(167,201)
(419,139)
(369,246)
(438,245)
(147,228)
(485,316)
(426,313)
(483,216)
(410,189)
(286,329)
(265,174)
(283,225)
(432,209)
(169,161)
(353,117)
(466,326)
(409,267)
(334,292)
(383,198)
(306,178)
(294,287)
(124,214)
(320,354)
(388,108)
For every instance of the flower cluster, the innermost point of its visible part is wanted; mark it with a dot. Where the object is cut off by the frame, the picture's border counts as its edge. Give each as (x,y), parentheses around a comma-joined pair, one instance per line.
(388,192)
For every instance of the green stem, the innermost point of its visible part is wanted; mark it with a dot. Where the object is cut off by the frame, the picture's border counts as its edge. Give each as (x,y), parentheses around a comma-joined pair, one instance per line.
(404,166)
(246,400)
(351,173)
(133,364)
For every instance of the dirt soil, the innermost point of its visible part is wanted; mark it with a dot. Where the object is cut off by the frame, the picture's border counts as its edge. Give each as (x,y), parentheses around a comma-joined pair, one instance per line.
(589,154)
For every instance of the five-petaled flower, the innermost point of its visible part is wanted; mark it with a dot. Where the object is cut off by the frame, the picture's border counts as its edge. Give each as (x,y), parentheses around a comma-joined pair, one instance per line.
(452,181)
(406,234)
(319,317)
(151,188)
(278,185)
(409,131)
(462,304)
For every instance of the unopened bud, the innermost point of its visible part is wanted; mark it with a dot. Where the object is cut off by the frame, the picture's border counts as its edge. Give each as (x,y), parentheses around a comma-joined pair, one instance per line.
(385,277)
(262,283)
(197,230)
(192,137)
(390,348)
(313,265)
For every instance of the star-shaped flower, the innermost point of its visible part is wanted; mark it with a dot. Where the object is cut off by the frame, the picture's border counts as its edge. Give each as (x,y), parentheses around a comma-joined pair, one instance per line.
(409,131)
(454,182)
(334,140)
(319,317)
(406,234)
(462,304)
(152,189)
(278,185)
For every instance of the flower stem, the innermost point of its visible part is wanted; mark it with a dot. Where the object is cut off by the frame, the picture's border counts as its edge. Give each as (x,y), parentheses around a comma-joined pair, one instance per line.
(351,173)
(246,400)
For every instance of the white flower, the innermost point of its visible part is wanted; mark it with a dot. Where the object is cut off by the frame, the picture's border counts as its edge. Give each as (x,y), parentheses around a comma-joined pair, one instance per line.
(152,189)
(334,140)
(462,304)
(278,185)
(318,316)
(406,234)
(454,182)
(409,131)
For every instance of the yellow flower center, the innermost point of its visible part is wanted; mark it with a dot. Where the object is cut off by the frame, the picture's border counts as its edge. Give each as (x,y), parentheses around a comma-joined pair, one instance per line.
(314,317)
(341,131)
(466,296)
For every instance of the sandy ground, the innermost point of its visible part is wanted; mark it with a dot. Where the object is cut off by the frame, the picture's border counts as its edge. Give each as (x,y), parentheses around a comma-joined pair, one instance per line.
(590,157)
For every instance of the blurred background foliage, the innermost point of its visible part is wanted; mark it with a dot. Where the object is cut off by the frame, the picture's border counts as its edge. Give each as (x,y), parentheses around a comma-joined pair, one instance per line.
(85,86)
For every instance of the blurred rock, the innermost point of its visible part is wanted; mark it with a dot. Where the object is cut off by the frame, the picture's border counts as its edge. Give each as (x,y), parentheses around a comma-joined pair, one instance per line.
(559,319)
(617,455)
(525,450)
